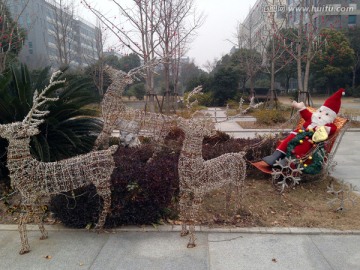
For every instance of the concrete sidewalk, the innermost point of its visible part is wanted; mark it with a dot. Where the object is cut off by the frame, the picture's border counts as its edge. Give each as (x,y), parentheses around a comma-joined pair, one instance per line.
(217,249)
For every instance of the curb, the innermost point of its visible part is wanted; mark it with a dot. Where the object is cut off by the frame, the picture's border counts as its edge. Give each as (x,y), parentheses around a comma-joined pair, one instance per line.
(204,229)
(272,130)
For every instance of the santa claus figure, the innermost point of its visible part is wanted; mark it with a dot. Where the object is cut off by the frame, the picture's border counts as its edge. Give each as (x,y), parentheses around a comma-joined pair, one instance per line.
(320,121)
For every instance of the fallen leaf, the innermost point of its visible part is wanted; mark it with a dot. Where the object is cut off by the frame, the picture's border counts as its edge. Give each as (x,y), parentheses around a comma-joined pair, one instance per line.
(274,260)
(48,257)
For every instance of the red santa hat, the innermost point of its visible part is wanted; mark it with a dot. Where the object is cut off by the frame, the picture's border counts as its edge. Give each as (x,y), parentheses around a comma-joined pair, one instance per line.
(334,101)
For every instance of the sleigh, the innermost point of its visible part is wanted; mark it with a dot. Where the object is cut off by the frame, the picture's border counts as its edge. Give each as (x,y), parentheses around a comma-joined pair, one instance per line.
(315,164)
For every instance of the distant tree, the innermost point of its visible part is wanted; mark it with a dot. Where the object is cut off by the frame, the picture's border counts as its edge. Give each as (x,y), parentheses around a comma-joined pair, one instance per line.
(128,62)
(138,90)
(252,50)
(354,38)
(238,61)
(307,42)
(11,35)
(178,20)
(335,61)
(153,29)
(224,85)
(61,23)
(188,73)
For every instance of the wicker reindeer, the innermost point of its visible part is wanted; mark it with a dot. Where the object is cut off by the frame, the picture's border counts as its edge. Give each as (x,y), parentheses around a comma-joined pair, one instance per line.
(112,105)
(198,177)
(116,115)
(35,179)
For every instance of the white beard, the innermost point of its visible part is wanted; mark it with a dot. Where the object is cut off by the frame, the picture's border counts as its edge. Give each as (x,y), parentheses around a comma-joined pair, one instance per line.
(320,118)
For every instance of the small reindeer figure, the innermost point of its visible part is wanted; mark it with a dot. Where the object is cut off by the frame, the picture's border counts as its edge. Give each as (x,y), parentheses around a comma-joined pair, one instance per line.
(198,177)
(117,115)
(112,105)
(114,111)
(35,179)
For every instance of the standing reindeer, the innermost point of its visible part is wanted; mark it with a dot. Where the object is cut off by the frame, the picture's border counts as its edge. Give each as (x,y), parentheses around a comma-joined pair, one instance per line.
(198,177)
(35,179)
(112,105)
(116,115)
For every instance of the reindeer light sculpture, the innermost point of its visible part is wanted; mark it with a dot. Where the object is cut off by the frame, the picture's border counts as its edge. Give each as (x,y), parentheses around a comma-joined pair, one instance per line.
(35,179)
(198,177)
(116,115)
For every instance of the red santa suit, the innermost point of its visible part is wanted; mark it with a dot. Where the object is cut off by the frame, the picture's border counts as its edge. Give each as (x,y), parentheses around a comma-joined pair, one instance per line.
(322,117)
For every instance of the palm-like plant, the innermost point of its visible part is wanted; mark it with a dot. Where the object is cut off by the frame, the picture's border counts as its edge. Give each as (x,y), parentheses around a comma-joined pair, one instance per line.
(69,129)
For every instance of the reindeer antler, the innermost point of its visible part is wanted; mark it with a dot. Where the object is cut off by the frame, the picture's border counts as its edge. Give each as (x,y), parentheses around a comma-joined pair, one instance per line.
(140,70)
(39,99)
(196,90)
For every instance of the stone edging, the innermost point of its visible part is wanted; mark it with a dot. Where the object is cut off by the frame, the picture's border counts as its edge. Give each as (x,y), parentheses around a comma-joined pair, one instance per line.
(205,229)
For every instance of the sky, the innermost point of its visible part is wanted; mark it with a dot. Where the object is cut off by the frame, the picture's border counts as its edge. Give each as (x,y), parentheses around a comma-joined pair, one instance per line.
(212,39)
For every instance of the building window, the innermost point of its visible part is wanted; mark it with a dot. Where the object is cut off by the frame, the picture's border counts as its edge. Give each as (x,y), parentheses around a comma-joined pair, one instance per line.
(30,51)
(28,20)
(30,45)
(352,19)
(353,6)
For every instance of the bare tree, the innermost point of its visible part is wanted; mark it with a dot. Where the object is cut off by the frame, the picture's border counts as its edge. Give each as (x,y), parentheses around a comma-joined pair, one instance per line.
(305,43)
(98,62)
(12,37)
(137,33)
(61,24)
(174,31)
(250,56)
(210,65)
(275,55)
(146,25)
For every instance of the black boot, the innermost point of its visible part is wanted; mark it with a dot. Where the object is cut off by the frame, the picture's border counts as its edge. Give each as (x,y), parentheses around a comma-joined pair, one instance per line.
(270,160)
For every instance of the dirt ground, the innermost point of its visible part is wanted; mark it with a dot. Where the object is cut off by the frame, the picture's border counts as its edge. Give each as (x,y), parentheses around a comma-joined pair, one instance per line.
(305,205)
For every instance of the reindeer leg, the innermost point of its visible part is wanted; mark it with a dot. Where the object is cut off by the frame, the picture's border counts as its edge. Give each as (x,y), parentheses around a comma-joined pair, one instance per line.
(228,198)
(39,221)
(237,198)
(184,216)
(192,237)
(25,247)
(105,194)
(184,230)
(194,214)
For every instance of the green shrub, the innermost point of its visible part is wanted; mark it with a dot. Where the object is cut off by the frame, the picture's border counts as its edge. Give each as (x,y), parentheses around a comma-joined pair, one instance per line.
(354,92)
(233,104)
(269,117)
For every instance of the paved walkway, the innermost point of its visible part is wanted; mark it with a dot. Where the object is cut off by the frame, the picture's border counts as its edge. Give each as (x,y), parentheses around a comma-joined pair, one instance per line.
(217,249)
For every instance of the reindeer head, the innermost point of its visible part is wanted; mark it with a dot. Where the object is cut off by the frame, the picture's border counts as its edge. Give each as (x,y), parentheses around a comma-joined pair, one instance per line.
(118,77)
(17,130)
(29,126)
(200,127)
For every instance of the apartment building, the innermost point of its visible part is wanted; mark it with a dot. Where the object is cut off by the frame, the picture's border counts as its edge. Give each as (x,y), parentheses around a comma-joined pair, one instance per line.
(254,31)
(54,35)
(336,14)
